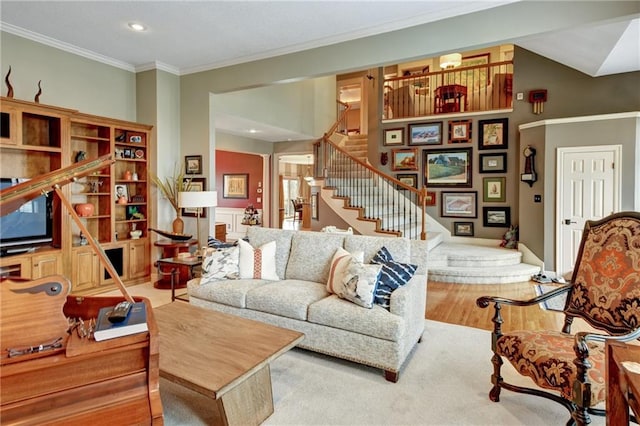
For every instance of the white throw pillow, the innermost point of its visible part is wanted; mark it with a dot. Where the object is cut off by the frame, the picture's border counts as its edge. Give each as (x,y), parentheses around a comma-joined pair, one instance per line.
(219,264)
(352,280)
(258,263)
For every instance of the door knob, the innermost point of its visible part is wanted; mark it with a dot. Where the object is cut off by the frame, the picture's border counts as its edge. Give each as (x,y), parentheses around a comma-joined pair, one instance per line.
(568,222)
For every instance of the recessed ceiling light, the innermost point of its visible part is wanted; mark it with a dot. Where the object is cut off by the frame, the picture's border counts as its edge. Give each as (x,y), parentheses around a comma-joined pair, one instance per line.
(135,26)
(253,131)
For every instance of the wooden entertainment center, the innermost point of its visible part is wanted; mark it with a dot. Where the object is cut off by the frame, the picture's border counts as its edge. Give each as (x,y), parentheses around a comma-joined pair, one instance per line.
(36,139)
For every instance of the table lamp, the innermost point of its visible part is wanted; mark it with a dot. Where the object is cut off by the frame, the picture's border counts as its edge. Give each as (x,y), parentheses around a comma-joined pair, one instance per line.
(197,200)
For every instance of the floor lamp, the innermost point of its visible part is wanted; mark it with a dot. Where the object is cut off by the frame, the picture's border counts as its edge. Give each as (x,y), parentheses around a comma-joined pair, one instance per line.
(197,200)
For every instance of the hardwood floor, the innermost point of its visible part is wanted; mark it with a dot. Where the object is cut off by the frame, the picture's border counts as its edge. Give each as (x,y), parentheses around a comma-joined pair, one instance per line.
(456,304)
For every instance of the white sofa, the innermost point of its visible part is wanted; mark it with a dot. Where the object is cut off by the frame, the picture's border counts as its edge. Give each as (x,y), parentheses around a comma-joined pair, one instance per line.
(299,301)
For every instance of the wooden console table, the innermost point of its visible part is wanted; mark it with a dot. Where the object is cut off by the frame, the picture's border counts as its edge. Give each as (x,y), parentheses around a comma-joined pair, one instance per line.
(170,249)
(623,386)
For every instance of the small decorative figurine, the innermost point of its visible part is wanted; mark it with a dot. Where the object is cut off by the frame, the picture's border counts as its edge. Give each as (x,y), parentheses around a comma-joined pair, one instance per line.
(37,98)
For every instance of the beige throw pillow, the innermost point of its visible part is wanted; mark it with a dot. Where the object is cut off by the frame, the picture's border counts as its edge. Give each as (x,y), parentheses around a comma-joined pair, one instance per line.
(258,263)
(352,280)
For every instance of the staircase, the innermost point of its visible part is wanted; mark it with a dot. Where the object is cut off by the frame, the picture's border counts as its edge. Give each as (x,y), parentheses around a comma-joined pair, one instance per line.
(372,205)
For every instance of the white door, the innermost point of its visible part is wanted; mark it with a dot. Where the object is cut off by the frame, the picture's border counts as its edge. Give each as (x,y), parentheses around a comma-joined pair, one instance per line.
(587,188)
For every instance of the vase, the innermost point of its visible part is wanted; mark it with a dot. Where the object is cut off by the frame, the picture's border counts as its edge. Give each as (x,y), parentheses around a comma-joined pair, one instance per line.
(178,225)
(84,209)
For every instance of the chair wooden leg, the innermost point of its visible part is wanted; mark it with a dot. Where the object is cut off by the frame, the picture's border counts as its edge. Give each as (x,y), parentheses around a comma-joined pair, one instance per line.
(496,378)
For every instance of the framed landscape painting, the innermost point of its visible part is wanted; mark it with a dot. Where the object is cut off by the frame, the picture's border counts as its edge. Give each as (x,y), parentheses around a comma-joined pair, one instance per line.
(447,168)
(425,133)
(409,179)
(459,204)
(404,159)
(497,217)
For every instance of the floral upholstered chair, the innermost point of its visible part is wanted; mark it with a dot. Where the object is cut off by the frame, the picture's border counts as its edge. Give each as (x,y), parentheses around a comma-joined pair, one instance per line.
(605,292)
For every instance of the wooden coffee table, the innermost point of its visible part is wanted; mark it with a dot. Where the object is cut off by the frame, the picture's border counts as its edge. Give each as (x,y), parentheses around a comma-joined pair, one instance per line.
(223,357)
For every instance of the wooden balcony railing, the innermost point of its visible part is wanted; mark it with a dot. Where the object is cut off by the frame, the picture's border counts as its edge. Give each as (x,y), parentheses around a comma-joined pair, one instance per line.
(464,89)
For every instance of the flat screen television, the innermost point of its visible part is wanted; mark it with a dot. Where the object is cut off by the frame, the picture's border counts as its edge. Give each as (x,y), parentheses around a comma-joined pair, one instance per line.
(28,226)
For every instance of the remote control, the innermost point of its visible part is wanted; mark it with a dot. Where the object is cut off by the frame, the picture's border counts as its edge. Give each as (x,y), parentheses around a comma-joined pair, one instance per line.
(120,312)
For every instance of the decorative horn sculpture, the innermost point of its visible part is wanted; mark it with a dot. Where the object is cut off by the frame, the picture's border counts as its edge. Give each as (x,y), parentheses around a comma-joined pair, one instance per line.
(9,86)
(37,98)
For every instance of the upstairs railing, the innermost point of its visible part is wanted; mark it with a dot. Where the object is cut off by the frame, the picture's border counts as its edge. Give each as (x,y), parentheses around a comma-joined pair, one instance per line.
(395,207)
(464,89)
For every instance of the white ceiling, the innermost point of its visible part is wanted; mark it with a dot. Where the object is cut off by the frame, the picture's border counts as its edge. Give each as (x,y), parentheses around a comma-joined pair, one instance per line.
(186,36)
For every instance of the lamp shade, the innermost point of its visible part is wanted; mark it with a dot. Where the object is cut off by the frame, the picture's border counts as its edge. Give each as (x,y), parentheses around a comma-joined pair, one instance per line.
(451,60)
(197,199)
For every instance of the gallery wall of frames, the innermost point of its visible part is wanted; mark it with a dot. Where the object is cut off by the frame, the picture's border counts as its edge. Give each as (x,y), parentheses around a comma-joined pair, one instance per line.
(440,155)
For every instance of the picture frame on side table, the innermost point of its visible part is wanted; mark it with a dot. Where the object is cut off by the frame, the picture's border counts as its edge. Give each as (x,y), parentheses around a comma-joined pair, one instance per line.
(459,204)
(196,184)
(448,168)
(493,133)
(494,189)
(193,164)
(460,131)
(393,137)
(425,133)
(493,163)
(463,229)
(496,217)
(235,185)
(404,159)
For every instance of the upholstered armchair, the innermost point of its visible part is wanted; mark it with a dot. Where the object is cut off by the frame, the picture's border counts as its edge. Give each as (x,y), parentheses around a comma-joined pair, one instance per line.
(605,292)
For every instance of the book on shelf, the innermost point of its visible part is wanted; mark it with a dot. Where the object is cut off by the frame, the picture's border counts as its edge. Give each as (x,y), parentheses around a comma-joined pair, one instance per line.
(136,322)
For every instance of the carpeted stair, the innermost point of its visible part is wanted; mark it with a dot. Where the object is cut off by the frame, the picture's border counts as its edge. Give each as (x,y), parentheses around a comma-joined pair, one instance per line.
(475,264)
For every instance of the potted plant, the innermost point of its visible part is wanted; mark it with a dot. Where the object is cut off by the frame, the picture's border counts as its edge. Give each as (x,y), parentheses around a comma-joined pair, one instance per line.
(170,187)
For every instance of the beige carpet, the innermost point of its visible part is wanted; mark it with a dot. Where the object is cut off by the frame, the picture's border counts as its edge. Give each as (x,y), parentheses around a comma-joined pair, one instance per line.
(446,382)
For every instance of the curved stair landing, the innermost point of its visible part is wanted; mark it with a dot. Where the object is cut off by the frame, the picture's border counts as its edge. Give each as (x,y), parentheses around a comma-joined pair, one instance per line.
(474,264)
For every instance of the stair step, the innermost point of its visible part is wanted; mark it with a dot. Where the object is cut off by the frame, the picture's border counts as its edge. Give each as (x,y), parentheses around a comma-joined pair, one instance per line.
(484,275)
(468,255)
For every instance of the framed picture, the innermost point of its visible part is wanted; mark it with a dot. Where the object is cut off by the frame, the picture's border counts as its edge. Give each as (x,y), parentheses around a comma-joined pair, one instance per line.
(463,229)
(459,204)
(128,153)
(404,159)
(409,179)
(314,206)
(193,164)
(494,189)
(235,185)
(431,198)
(393,137)
(133,213)
(475,78)
(493,133)
(121,191)
(197,184)
(425,133)
(460,131)
(493,163)
(447,168)
(497,217)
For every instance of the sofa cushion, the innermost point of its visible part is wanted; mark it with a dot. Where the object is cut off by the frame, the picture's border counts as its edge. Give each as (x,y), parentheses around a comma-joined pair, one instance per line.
(311,254)
(352,280)
(219,264)
(338,313)
(229,292)
(258,263)
(393,275)
(400,248)
(258,236)
(287,298)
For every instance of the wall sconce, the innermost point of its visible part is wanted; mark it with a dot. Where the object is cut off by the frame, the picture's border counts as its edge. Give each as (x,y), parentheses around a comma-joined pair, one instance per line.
(529,175)
(538,98)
